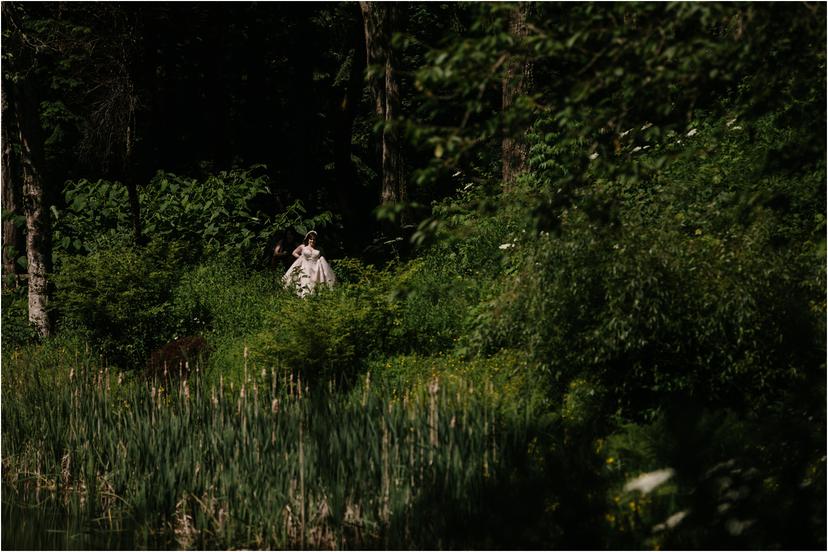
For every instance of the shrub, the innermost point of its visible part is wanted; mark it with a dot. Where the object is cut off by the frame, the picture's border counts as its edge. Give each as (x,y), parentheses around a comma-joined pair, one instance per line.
(327,335)
(506,375)
(17,331)
(120,297)
(581,407)
(432,302)
(224,298)
(688,278)
(439,291)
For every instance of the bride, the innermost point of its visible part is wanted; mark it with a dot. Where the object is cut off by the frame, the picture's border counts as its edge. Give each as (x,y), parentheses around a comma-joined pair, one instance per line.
(309,269)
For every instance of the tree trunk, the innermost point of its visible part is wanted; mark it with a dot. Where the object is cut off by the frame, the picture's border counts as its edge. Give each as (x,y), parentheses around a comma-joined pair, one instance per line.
(13,244)
(393,169)
(38,227)
(380,20)
(374,20)
(517,82)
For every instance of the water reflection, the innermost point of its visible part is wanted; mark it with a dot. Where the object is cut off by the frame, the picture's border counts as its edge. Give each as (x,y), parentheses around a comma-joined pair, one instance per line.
(45,524)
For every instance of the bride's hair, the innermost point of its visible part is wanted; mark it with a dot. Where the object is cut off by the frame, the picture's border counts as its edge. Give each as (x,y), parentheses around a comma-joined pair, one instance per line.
(308,235)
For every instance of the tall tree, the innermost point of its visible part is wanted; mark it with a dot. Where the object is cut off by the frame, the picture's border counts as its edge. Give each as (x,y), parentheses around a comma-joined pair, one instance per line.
(25,112)
(517,82)
(13,239)
(38,223)
(381,19)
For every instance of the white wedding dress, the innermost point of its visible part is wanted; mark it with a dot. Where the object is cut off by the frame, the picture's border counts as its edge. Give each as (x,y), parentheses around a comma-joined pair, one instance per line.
(307,271)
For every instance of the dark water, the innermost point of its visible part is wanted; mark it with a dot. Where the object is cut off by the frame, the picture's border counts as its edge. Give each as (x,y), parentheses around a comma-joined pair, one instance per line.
(45,524)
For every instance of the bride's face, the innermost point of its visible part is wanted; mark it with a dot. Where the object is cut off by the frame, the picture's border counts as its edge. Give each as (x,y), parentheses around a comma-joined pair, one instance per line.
(312,241)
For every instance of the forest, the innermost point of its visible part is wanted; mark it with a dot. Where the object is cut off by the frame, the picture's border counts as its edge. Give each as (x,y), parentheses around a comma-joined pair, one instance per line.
(580,275)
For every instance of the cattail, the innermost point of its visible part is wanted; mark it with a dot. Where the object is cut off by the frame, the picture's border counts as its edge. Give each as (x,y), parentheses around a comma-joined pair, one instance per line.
(366,389)
(386,483)
(485,442)
(246,354)
(494,440)
(302,480)
(433,418)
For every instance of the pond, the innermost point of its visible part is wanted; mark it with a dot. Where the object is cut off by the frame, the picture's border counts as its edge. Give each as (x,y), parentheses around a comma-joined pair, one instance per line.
(45,524)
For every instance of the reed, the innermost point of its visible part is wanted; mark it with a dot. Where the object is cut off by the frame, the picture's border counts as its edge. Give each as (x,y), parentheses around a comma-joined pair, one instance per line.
(287,467)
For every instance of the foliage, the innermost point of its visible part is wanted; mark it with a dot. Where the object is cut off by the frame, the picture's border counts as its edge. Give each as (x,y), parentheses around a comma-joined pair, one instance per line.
(15,315)
(224,298)
(120,297)
(507,376)
(698,277)
(226,303)
(96,213)
(431,302)
(726,483)
(218,215)
(326,335)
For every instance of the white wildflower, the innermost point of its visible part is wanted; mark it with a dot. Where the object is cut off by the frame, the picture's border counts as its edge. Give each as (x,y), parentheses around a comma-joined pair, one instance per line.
(594,156)
(646,482)
(646,126)
(505,246)
(730,122)
(636,149)
(671,521)
(693,132)
(737,127)
(626,132)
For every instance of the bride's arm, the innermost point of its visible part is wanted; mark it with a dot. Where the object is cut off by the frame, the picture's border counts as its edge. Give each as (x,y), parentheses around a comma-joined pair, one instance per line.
(298,251)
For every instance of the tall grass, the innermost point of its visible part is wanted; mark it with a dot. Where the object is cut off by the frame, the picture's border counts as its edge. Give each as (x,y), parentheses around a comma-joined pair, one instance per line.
(265,465)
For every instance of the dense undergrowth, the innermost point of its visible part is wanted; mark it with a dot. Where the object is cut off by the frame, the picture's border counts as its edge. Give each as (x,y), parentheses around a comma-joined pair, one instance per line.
(506,387)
